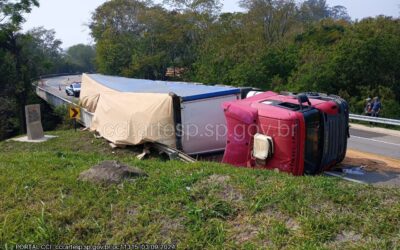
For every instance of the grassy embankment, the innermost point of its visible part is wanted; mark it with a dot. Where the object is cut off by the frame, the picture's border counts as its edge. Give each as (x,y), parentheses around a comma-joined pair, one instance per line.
(202,205)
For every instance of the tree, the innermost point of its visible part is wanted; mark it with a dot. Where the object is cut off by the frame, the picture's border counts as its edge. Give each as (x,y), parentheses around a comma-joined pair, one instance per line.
(116,27)
(11,12)
(43,51)
(314,10)
(339,12)
(275,17)
(23,57)
(13,73)
(147,40)
(81,57)
(211,7)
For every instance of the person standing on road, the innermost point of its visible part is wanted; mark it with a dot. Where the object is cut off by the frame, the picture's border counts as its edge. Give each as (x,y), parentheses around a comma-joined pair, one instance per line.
(376,108)
(368,107)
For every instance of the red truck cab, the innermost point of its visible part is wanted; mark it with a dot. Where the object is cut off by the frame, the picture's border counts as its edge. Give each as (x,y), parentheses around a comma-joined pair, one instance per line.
(297,131)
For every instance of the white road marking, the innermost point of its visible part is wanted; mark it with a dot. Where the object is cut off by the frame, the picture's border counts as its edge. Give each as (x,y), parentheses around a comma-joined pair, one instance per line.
(369,139)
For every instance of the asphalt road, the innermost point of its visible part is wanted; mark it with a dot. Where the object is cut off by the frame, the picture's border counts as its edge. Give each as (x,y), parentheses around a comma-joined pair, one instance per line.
(378,143)
(54,85)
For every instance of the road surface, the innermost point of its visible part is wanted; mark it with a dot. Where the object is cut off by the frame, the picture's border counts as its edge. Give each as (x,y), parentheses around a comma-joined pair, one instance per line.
(375,141)
(57,85)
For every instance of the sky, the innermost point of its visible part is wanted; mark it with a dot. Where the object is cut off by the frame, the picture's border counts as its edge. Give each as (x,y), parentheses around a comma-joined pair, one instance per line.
(69,18)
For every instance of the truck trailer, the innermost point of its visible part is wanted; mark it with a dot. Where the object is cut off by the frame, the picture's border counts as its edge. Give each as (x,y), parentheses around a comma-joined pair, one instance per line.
(186,116)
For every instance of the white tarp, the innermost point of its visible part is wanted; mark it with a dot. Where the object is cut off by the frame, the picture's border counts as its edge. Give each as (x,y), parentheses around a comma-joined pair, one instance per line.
(128,118)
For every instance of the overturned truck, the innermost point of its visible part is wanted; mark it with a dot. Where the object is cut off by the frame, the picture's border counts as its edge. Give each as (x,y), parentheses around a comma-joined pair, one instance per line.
(296,133)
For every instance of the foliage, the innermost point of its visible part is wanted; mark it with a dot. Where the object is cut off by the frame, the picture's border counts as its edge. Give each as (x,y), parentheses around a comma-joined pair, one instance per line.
(26,56)
(23,58)
(11,12)
(196,6)
(15,68)
(81,57)
(148,39)
(361,59)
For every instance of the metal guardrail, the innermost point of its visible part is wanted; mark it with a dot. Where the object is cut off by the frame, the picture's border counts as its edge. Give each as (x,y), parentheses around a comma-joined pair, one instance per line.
(375,120)
(57,101)
(54,75)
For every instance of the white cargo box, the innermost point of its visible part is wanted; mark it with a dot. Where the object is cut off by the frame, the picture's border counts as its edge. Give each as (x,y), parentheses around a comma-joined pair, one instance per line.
(197,113)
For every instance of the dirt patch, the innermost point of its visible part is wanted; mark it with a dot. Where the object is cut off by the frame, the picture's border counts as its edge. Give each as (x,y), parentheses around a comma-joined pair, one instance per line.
(243,230)
(171,227)
(292,224)
(347,236)
(369,162)
(133,212)
(322,207)
(271,214)
(111,172)
(246,228)
(252,228)
(218,185)
(345,239)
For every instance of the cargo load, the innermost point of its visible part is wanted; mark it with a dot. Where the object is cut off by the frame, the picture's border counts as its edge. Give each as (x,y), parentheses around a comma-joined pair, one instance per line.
(295,133)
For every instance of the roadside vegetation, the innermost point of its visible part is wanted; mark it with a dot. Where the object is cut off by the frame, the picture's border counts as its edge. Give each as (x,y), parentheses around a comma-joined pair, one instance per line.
(196,206)
(24,57)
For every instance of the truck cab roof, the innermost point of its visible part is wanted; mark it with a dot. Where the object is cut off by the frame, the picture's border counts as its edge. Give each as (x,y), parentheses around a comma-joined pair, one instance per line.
(274,105)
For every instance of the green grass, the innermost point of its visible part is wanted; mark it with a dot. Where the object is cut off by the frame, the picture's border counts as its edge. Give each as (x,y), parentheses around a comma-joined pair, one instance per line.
(201,205)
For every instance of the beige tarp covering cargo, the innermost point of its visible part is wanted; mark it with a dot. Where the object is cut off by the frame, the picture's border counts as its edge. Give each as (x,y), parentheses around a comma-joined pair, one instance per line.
(128,118)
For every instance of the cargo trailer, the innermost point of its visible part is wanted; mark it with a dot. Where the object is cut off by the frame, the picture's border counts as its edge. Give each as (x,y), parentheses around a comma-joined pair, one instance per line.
(130,111)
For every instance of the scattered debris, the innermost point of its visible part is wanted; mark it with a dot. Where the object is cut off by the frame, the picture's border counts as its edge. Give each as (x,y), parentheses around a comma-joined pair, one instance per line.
(111,172)
(114,146)
(354,170)
(146,151)
(97,135)
(172,153)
